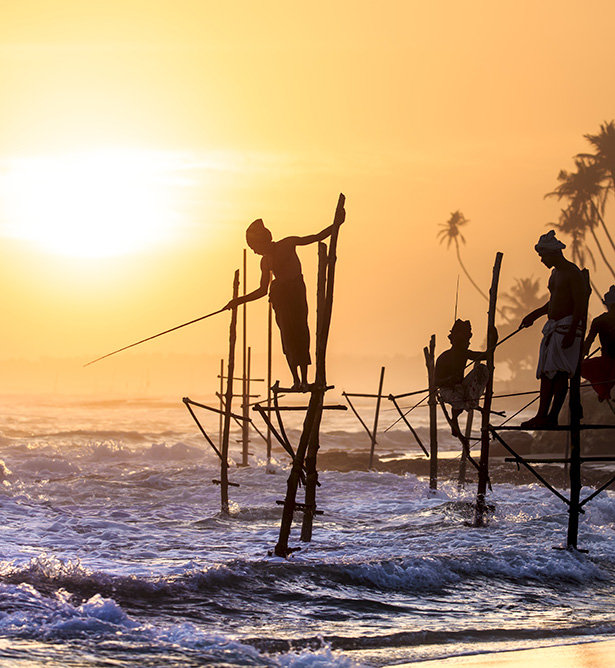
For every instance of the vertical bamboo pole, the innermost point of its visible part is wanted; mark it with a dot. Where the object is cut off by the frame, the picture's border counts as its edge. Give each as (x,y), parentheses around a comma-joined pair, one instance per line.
(373,445)
(269,378)
(483,465)
(463,462)
(245,404)
(311,473)
(228,403)
(430,359)
(311,424)
(576,414)
(221,419)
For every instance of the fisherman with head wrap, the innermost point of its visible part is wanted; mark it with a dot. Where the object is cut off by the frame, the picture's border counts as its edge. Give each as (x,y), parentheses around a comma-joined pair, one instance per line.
(286,292)
(459,391)
(600,370)
(560,348)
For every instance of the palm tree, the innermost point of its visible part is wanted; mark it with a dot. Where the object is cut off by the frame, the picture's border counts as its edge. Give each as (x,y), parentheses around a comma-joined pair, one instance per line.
(604,143)
(586,195)
(524,296)
(572,224)
(451,234)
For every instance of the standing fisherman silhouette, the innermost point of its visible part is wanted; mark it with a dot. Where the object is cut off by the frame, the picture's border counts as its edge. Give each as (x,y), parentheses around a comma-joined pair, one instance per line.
(561,343)
(286,292)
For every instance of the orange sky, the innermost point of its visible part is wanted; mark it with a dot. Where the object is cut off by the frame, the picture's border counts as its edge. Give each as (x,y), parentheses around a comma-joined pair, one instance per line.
(182,121)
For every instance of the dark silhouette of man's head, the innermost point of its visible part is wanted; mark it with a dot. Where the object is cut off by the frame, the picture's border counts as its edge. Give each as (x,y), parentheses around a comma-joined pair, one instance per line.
(549,247)
(258,237)
(461,333)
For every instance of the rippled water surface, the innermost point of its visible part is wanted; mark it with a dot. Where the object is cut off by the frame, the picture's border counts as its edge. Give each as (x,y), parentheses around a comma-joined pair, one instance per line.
(114,552)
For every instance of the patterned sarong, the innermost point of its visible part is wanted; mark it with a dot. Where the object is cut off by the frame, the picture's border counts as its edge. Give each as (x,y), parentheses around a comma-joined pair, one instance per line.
(465,395)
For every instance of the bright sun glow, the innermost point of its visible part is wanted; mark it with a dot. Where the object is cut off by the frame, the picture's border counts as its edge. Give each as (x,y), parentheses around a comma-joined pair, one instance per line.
(91,204)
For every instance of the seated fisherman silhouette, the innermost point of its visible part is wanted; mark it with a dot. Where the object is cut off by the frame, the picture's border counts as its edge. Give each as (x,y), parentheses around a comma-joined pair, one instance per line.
(461,392)
(286,292)
(600,371)
(561,343)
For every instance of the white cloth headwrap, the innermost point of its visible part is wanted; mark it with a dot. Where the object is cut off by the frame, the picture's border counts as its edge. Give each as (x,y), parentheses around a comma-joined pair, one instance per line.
(548,243)
(609,297)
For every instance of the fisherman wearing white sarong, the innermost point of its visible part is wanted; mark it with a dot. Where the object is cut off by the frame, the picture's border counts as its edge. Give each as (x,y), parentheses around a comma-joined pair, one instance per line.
(554,358)
(560,349)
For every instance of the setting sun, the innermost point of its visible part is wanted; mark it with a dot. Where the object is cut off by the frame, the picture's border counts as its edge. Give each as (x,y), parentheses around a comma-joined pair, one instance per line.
(91,204)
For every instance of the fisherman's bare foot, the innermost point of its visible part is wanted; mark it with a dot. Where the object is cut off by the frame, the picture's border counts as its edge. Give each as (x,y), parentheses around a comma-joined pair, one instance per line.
(539,422)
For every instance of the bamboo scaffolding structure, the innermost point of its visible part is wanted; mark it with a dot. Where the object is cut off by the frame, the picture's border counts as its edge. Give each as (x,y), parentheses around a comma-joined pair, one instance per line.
(377,415)
(405,419)
(465,451)
(576,414)
(308,443)
(245,376)
(370,432)
(430,361)
(269,377)
(483,472)
(224,505)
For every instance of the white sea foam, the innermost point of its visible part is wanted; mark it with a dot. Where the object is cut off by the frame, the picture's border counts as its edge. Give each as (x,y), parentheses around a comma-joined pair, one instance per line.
(116,545)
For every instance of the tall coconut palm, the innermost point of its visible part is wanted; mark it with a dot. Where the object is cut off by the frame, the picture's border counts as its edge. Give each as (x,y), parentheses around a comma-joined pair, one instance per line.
(572,224)
(526,295)
(586,195)
(604,144)
(451,234)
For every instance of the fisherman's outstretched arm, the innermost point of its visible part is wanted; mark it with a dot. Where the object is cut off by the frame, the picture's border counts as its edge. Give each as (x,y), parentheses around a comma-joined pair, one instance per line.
(529,319)
(313,238)
(260,292)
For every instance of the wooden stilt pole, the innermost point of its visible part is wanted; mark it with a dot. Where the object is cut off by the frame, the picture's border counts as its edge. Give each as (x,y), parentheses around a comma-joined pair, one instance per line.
(373,445)
(311,424)
(224,506)
(311,473)
(245,392)
(463,462)
(483,466)
(269,379)
(430,355)
(221,396)
(576,414)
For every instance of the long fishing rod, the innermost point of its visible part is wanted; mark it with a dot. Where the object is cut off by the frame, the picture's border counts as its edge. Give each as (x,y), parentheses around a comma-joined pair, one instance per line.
(149,338)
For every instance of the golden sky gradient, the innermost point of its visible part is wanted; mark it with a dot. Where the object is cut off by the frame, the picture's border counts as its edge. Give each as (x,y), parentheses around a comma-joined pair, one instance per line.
(139,139)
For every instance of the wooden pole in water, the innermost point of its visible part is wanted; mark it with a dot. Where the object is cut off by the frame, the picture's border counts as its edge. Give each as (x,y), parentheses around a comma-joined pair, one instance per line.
(373,445)
(576,414)
(245,392)
(430,355)
(221,419)
(311,424)
(483,465)
(311,473)
(228,403)
(463,462)
(269,377)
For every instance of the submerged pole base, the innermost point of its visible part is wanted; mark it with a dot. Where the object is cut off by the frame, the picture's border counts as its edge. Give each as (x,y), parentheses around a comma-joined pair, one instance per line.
(283,551)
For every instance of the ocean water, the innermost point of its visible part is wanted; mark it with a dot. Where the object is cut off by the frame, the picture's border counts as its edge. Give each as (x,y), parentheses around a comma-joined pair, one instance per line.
(114,552)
